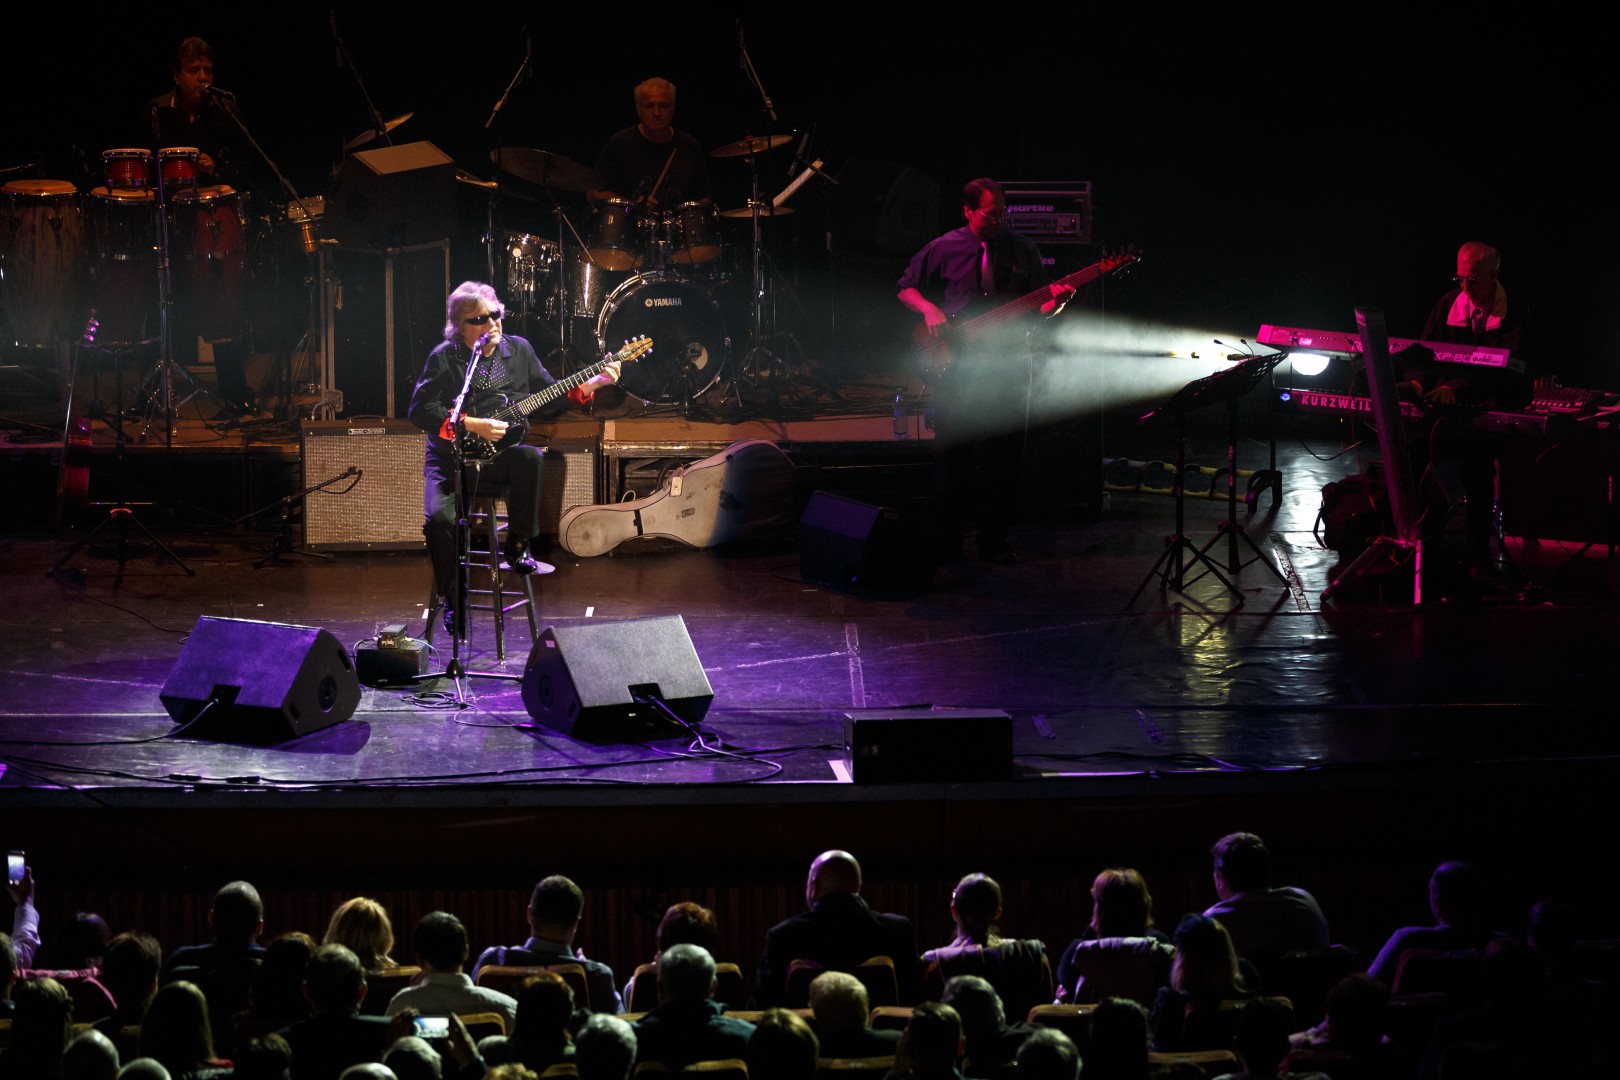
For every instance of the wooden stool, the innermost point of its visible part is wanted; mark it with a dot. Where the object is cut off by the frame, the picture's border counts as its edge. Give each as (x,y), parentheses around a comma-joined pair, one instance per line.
(486,522)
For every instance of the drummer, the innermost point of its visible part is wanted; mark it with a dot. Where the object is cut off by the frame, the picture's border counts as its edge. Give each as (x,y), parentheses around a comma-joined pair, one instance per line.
(192,114)
(651,163)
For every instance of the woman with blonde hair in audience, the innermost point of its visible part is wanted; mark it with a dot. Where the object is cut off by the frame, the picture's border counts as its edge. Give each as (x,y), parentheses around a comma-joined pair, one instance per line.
(175,1032)
(362,925)
(1204,973)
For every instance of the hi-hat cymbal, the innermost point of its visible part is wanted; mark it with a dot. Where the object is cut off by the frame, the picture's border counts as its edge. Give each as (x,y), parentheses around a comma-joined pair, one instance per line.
(751,144)
(545,168)
(764,211)
(366,136)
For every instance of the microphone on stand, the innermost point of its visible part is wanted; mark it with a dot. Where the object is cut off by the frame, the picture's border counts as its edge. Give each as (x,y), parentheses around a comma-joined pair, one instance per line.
(221,92)
(798,155)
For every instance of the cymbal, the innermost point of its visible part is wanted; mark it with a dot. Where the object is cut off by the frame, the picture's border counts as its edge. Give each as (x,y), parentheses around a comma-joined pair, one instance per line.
(764,211)
(751,144)
(545,168)
(366,136)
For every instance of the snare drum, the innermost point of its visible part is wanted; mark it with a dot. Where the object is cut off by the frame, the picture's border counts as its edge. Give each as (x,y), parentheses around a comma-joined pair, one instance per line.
(124,275)
(209,251)
(694,232)
(39,264)
(128,169)
(177,165)
(615,241)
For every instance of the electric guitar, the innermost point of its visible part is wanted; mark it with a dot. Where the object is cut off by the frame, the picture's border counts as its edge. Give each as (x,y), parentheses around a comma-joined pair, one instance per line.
(936,353)
(73,478)
(500,407)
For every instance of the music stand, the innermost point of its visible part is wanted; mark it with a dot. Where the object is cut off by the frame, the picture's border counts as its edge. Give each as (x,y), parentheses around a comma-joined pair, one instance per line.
(1172,565)
(1231,384)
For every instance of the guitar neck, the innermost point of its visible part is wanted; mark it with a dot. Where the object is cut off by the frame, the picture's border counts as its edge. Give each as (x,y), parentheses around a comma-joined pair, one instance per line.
(519,409)
(1032,301)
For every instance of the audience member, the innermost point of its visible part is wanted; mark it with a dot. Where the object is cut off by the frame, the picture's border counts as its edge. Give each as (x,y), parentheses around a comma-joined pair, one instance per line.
(362,924)
(90,1056)
(838,1001)
(1264,922)
(555,909)
(991,1042)
(1356,1014)
(267,1057)
(605,1048)
(511,1071)
(441,948)
(688,1025)
(367,1070)
(1016,967)
(782,1047)
(176,1033)
(143,1069)
(1204,973)
(539,1038)
(41,1025)
(932,1045)
(1118,1047)
(1121,923)
(688,923)
(77,944)
(1048,1055)
(412,1058)
(24,920)
(276,999)
(129,971)
(1513,1014)
(336,1035)
(1457,903)
(1262,1043)
(224,967)
(1552,934)
(838,931)
(8,974)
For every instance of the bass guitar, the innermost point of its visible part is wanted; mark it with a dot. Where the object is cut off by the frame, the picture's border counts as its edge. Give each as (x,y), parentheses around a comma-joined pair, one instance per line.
(936,352)
(499,407)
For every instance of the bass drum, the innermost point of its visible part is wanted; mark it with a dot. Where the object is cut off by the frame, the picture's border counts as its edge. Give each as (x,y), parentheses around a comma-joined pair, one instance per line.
(689,342)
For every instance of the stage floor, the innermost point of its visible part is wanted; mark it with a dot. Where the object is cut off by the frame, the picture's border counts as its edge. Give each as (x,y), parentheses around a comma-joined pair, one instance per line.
(1114,683)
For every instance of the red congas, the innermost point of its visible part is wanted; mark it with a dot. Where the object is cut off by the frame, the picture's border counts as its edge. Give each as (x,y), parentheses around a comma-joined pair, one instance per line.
(128,169)
(208,249)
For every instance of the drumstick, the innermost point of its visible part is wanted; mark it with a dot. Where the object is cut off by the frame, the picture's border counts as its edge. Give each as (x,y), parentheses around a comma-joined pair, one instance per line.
(659,182)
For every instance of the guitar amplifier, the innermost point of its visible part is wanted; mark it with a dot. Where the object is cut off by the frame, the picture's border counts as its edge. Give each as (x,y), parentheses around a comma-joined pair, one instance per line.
(569,480)
(380,507)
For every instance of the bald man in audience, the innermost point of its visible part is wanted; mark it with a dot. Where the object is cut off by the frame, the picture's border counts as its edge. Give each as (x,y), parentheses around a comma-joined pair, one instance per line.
(839,931)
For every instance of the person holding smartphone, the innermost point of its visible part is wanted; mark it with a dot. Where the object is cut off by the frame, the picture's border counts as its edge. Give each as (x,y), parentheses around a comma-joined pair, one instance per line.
(25,917)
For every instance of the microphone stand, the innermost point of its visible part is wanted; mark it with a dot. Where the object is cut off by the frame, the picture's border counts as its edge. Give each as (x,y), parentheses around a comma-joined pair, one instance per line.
(517,77)
(347,58)
(283,545)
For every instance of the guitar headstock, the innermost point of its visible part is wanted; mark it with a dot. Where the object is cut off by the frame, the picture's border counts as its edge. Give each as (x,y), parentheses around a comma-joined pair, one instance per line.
(1121,258)
(91,325)
(634,350)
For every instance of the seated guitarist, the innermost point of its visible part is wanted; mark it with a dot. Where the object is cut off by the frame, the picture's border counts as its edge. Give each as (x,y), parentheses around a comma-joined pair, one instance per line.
(979,401)
(507,370)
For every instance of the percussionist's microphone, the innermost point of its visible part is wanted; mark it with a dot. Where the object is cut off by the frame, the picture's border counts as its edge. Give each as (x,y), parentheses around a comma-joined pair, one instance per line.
(221,92)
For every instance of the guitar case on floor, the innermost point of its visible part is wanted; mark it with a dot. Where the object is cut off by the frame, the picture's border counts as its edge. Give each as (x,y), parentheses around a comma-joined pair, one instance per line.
(744,492)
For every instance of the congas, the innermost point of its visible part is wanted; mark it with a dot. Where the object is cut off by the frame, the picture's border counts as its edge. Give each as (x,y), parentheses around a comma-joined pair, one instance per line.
(39,265)
(123,275)
(127,169)
(530,261)
(177,165)
(694,233)
(208,250)
(615,238)
(688,334)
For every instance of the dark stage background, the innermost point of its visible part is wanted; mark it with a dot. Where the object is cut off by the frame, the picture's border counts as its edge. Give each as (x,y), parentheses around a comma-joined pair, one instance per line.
(1284,172)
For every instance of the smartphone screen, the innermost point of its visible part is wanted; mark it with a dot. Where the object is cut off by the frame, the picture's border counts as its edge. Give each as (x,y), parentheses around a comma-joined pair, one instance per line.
(433,1027)
(15,862)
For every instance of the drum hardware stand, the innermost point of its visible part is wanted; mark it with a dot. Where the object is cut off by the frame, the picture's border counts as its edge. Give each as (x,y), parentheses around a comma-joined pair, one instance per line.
(120,512)
(283,545)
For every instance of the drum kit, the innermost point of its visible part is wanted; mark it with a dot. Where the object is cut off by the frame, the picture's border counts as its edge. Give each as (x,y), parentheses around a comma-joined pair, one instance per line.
(635,270)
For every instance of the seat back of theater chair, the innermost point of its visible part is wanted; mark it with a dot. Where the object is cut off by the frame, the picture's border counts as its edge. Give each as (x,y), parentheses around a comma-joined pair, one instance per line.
(509,979)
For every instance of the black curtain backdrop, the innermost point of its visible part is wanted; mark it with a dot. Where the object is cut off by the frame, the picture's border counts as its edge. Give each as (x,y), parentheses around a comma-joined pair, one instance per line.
(1278,172)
